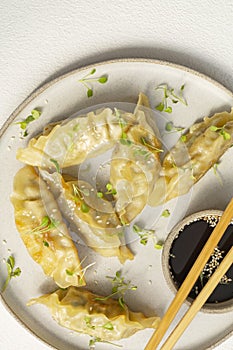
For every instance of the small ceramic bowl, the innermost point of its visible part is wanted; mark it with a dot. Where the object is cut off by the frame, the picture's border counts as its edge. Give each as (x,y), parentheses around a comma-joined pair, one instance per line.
(181,249)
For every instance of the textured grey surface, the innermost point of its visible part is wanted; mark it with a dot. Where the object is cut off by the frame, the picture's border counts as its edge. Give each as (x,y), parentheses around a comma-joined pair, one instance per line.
(39,40)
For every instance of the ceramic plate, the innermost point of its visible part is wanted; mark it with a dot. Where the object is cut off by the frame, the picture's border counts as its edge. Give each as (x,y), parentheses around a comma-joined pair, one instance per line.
(60,99)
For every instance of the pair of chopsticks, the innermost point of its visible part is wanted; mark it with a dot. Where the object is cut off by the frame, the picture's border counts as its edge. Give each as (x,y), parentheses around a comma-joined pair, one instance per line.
(188,283)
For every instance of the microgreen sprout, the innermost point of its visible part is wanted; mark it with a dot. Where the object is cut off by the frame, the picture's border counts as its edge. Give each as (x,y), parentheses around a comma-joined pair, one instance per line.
(166,213)
(123,222)
(78,271)
(10,264)
(125,142)
(69,273)
(170,127)
(159,245)
(87,320)
(56,164)
(119,287)
(221,131)
(110,189)
(95,340)
(84,208)
(170,95)
(76,127)
(86,80)
(145,143)
(35,114)
(79,193)
(183,138)
(108,325)
(100,194)
(46,244)
(122,124)
(145,235)
(47,224)
(139,151)
(216,172)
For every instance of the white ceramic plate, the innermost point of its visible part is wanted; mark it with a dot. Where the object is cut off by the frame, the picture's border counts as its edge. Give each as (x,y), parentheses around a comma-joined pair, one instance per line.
(60,99)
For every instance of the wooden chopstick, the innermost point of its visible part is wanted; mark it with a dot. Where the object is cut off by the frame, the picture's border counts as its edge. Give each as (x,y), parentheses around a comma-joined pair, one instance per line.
(199,301)
(191,278)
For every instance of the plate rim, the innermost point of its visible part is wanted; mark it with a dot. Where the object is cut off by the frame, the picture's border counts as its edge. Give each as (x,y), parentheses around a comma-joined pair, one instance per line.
(71,72)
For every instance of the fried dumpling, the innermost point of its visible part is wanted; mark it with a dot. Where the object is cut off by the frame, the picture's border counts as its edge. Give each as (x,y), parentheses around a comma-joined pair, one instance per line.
(192,156)
(93,218)
(43,231)
(71,142)
(135,165)
(78,309)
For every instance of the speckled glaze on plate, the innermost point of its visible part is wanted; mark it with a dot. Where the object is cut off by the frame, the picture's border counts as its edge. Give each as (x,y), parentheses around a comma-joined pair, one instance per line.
(62,98)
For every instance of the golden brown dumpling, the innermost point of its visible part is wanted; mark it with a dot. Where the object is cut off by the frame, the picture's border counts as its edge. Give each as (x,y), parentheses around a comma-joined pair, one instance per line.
(43,231)
(192,156)
(93,218)
(135,165)
(78,309)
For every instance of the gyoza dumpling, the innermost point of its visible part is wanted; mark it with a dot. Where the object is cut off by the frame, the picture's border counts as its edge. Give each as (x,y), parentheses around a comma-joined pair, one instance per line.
(135,165)
(192,156)
(43,231)
(94,218)
(71,142)
(78,309)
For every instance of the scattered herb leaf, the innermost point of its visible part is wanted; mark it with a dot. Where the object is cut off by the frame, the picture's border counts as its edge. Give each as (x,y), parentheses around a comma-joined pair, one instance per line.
(170,127)
(95,340)
(119,288)
(125,142)
(166,213)
(216,172)
(85,208)
(35,114)
(80,193)
(170,95)
(221,131)
(122,124)
(145,235)
(103,80)
(46,244)
(76,127)
(145,143)
(77,270)
(110,189)
(159,245)
(108,326)
(86,80)
(56,164)
(87,320)
(10,264)
(183,138)
(45,226)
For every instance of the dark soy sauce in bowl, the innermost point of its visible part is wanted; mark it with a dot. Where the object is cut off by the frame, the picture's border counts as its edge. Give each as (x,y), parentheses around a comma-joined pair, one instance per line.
(182,248)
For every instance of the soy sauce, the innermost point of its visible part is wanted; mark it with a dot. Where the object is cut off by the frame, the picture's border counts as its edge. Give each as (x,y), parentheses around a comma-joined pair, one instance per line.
(187,246)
